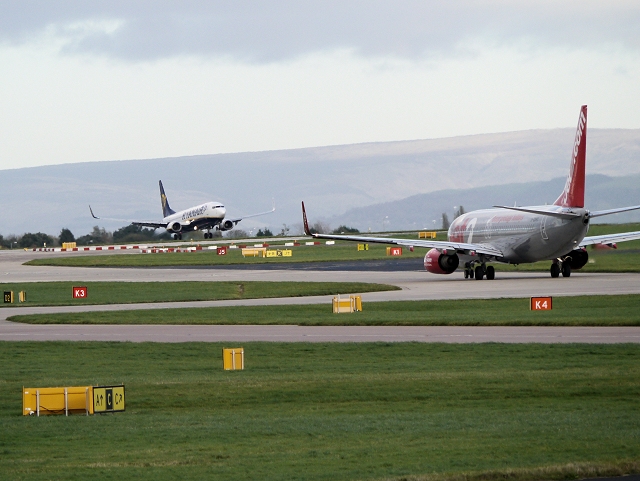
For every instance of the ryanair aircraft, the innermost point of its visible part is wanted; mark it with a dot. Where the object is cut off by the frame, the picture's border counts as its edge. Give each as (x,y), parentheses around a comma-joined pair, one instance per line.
(205,217)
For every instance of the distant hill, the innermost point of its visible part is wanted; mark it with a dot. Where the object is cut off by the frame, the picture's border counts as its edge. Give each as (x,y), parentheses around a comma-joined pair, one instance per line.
(333,181)
(419,211)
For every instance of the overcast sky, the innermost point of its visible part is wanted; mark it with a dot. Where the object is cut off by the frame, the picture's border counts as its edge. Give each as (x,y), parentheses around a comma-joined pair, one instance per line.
(86,81)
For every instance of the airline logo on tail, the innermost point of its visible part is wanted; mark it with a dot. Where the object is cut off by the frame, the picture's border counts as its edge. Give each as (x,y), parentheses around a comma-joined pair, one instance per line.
(166,209)
(573,193)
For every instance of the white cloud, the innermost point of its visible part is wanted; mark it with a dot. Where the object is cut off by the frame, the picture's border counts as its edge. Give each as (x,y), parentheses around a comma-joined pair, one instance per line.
(97,83)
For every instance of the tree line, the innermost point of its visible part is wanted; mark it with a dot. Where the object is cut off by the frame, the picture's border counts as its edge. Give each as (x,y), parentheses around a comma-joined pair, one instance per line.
(135,233)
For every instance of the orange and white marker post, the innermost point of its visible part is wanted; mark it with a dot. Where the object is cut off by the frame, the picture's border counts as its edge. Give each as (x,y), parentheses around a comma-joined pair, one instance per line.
(541,303)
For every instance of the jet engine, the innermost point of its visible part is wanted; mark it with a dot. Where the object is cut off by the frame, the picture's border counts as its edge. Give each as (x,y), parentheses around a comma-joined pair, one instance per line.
(174,227)
(437,262)
(577,258)
(226,225)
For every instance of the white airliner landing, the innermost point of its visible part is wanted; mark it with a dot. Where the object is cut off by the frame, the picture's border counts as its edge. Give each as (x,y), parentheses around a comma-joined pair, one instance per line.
(517,235)
(205,217)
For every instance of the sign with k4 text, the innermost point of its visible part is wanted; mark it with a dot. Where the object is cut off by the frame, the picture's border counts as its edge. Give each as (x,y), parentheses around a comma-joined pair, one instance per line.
(541,303)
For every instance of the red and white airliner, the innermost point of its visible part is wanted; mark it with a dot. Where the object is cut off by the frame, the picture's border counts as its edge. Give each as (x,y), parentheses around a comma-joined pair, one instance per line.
(516,235)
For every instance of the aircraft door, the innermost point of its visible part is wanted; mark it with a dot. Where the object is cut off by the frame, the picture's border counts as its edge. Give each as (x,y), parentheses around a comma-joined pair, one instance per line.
(543,227)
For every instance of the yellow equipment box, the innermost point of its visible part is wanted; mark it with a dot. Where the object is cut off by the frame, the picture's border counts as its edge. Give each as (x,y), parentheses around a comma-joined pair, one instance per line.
(57,400)
(233,358)
(69,245)
(363,247)
(254,252)
(426,235)
(22,295)
(347,304)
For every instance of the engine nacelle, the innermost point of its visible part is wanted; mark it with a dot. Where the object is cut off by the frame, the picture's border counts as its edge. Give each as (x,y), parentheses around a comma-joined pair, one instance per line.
(174,227)
(226,225)
(438,263)
(577,258)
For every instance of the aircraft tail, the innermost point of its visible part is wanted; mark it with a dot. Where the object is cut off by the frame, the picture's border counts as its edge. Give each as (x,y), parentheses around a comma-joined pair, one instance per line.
(573,193)
(166,209)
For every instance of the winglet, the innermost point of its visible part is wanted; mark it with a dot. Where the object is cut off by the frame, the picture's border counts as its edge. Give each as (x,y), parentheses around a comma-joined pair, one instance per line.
(307,231)
(92,214)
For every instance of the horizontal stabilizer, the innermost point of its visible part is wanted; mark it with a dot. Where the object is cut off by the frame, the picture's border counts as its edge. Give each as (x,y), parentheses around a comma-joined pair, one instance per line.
(560,215)
(599,213)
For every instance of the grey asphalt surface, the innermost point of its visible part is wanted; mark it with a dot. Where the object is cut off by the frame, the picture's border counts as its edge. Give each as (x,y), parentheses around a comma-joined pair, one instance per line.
(416,284)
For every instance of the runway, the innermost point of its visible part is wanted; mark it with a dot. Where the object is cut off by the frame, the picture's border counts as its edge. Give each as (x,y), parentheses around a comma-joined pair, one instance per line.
(415,284)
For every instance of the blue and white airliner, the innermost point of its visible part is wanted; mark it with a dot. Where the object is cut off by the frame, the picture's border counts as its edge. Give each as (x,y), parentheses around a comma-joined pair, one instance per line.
(204,217)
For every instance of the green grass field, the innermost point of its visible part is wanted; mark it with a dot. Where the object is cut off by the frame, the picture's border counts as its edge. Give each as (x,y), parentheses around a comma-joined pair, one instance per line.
(619,310)
(625,259)
(327,412)
(60,293)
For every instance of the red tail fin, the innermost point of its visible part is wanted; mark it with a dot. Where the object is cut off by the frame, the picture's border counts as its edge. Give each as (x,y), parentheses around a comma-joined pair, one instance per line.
(573,193)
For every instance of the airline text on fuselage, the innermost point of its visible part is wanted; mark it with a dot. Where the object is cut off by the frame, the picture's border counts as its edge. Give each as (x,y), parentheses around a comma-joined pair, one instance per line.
(194,212)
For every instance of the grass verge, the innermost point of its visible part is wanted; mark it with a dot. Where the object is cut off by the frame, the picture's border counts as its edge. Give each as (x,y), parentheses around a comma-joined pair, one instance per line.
(625,259)
(621,310)
(328,411)
(60,293)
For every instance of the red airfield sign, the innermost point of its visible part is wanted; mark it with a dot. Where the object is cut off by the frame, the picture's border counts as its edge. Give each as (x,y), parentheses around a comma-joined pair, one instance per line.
(541,303)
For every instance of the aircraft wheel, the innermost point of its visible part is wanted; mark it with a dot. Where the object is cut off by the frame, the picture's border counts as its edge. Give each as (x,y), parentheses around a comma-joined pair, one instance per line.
(179,236)
(175,236)
(566,269)
(555,270)
(471,273)
(479,273)
(491,273)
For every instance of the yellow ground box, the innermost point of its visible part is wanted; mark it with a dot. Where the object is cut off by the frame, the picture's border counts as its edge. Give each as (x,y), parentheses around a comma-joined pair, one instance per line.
(426,235)
(108,399)
(233,358)
(57,400)
(254,252)
(347,304)
(69,245)
(22,295)
(363,247)
(279,253)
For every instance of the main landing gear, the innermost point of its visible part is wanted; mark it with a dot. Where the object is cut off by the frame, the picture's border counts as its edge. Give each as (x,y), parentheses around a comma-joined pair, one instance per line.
(558,266)
(479,272)
(177,236)
(208,235)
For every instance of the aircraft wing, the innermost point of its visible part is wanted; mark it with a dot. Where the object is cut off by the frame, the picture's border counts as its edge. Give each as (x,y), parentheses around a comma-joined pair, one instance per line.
(238,219)
(155,225)
(428,244)
(610,238)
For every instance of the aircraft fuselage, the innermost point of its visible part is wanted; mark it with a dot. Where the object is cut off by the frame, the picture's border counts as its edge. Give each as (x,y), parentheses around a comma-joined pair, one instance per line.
(204,216)
(522,236)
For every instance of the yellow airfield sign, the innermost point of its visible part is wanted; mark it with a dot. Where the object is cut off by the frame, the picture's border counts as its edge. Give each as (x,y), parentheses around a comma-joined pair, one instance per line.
(108,399)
